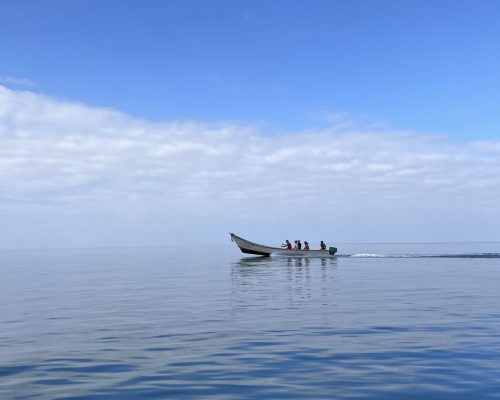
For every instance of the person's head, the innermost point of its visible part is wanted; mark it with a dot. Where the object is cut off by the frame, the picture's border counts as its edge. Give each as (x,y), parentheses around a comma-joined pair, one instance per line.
(305,242)
(287,241)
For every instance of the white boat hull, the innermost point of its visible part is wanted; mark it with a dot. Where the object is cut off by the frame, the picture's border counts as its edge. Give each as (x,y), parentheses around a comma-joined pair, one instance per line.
(249,247)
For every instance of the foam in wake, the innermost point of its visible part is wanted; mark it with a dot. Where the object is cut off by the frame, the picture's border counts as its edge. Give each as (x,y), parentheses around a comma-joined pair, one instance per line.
(463,255)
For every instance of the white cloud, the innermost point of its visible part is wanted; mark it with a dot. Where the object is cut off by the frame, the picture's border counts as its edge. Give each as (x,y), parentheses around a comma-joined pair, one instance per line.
(16,81)
(65,164)
(487,146)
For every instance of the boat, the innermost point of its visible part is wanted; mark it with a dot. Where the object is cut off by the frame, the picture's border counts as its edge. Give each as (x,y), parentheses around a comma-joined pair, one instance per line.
(248,247)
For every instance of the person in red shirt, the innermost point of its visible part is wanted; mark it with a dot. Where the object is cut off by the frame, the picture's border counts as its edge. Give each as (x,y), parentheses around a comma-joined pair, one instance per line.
(287,244)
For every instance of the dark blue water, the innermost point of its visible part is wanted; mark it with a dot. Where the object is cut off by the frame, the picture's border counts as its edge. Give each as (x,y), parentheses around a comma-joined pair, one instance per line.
(382,321)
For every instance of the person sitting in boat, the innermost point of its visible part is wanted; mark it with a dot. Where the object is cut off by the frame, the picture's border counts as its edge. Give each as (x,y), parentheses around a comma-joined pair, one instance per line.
(306,245)
(299,245)
(295,245)
(287,244)
(322,245)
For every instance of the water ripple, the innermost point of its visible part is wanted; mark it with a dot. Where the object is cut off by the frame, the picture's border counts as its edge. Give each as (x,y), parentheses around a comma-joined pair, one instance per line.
(148,323)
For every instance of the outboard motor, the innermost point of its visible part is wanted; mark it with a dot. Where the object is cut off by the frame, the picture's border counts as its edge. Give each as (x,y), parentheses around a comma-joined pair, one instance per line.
(332,251)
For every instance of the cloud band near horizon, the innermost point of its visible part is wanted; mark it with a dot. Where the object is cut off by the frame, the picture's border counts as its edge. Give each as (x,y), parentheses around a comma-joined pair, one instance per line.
(64,163)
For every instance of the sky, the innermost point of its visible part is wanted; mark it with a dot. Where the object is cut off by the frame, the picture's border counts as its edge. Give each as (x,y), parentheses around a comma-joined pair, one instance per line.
(128,123)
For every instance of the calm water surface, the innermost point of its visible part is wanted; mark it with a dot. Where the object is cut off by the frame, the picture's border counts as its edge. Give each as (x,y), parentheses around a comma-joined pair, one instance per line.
(379,322)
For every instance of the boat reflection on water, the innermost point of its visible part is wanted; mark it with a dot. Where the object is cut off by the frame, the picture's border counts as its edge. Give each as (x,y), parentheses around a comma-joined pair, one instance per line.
(254,261)
(306,262)
(282,280)
(246,262)
(259,266)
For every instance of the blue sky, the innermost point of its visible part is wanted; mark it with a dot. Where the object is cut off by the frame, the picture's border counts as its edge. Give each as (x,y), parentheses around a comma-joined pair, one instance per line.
(160,122)
(426,65)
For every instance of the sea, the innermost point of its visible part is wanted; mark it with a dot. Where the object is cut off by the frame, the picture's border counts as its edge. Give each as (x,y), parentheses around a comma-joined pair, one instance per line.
(380,321)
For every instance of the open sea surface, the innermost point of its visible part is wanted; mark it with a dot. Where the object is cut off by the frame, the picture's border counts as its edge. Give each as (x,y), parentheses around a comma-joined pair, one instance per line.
(382,321)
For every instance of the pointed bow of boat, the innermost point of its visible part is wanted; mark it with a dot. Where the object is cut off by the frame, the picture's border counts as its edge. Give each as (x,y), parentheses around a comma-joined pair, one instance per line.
(248,247)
